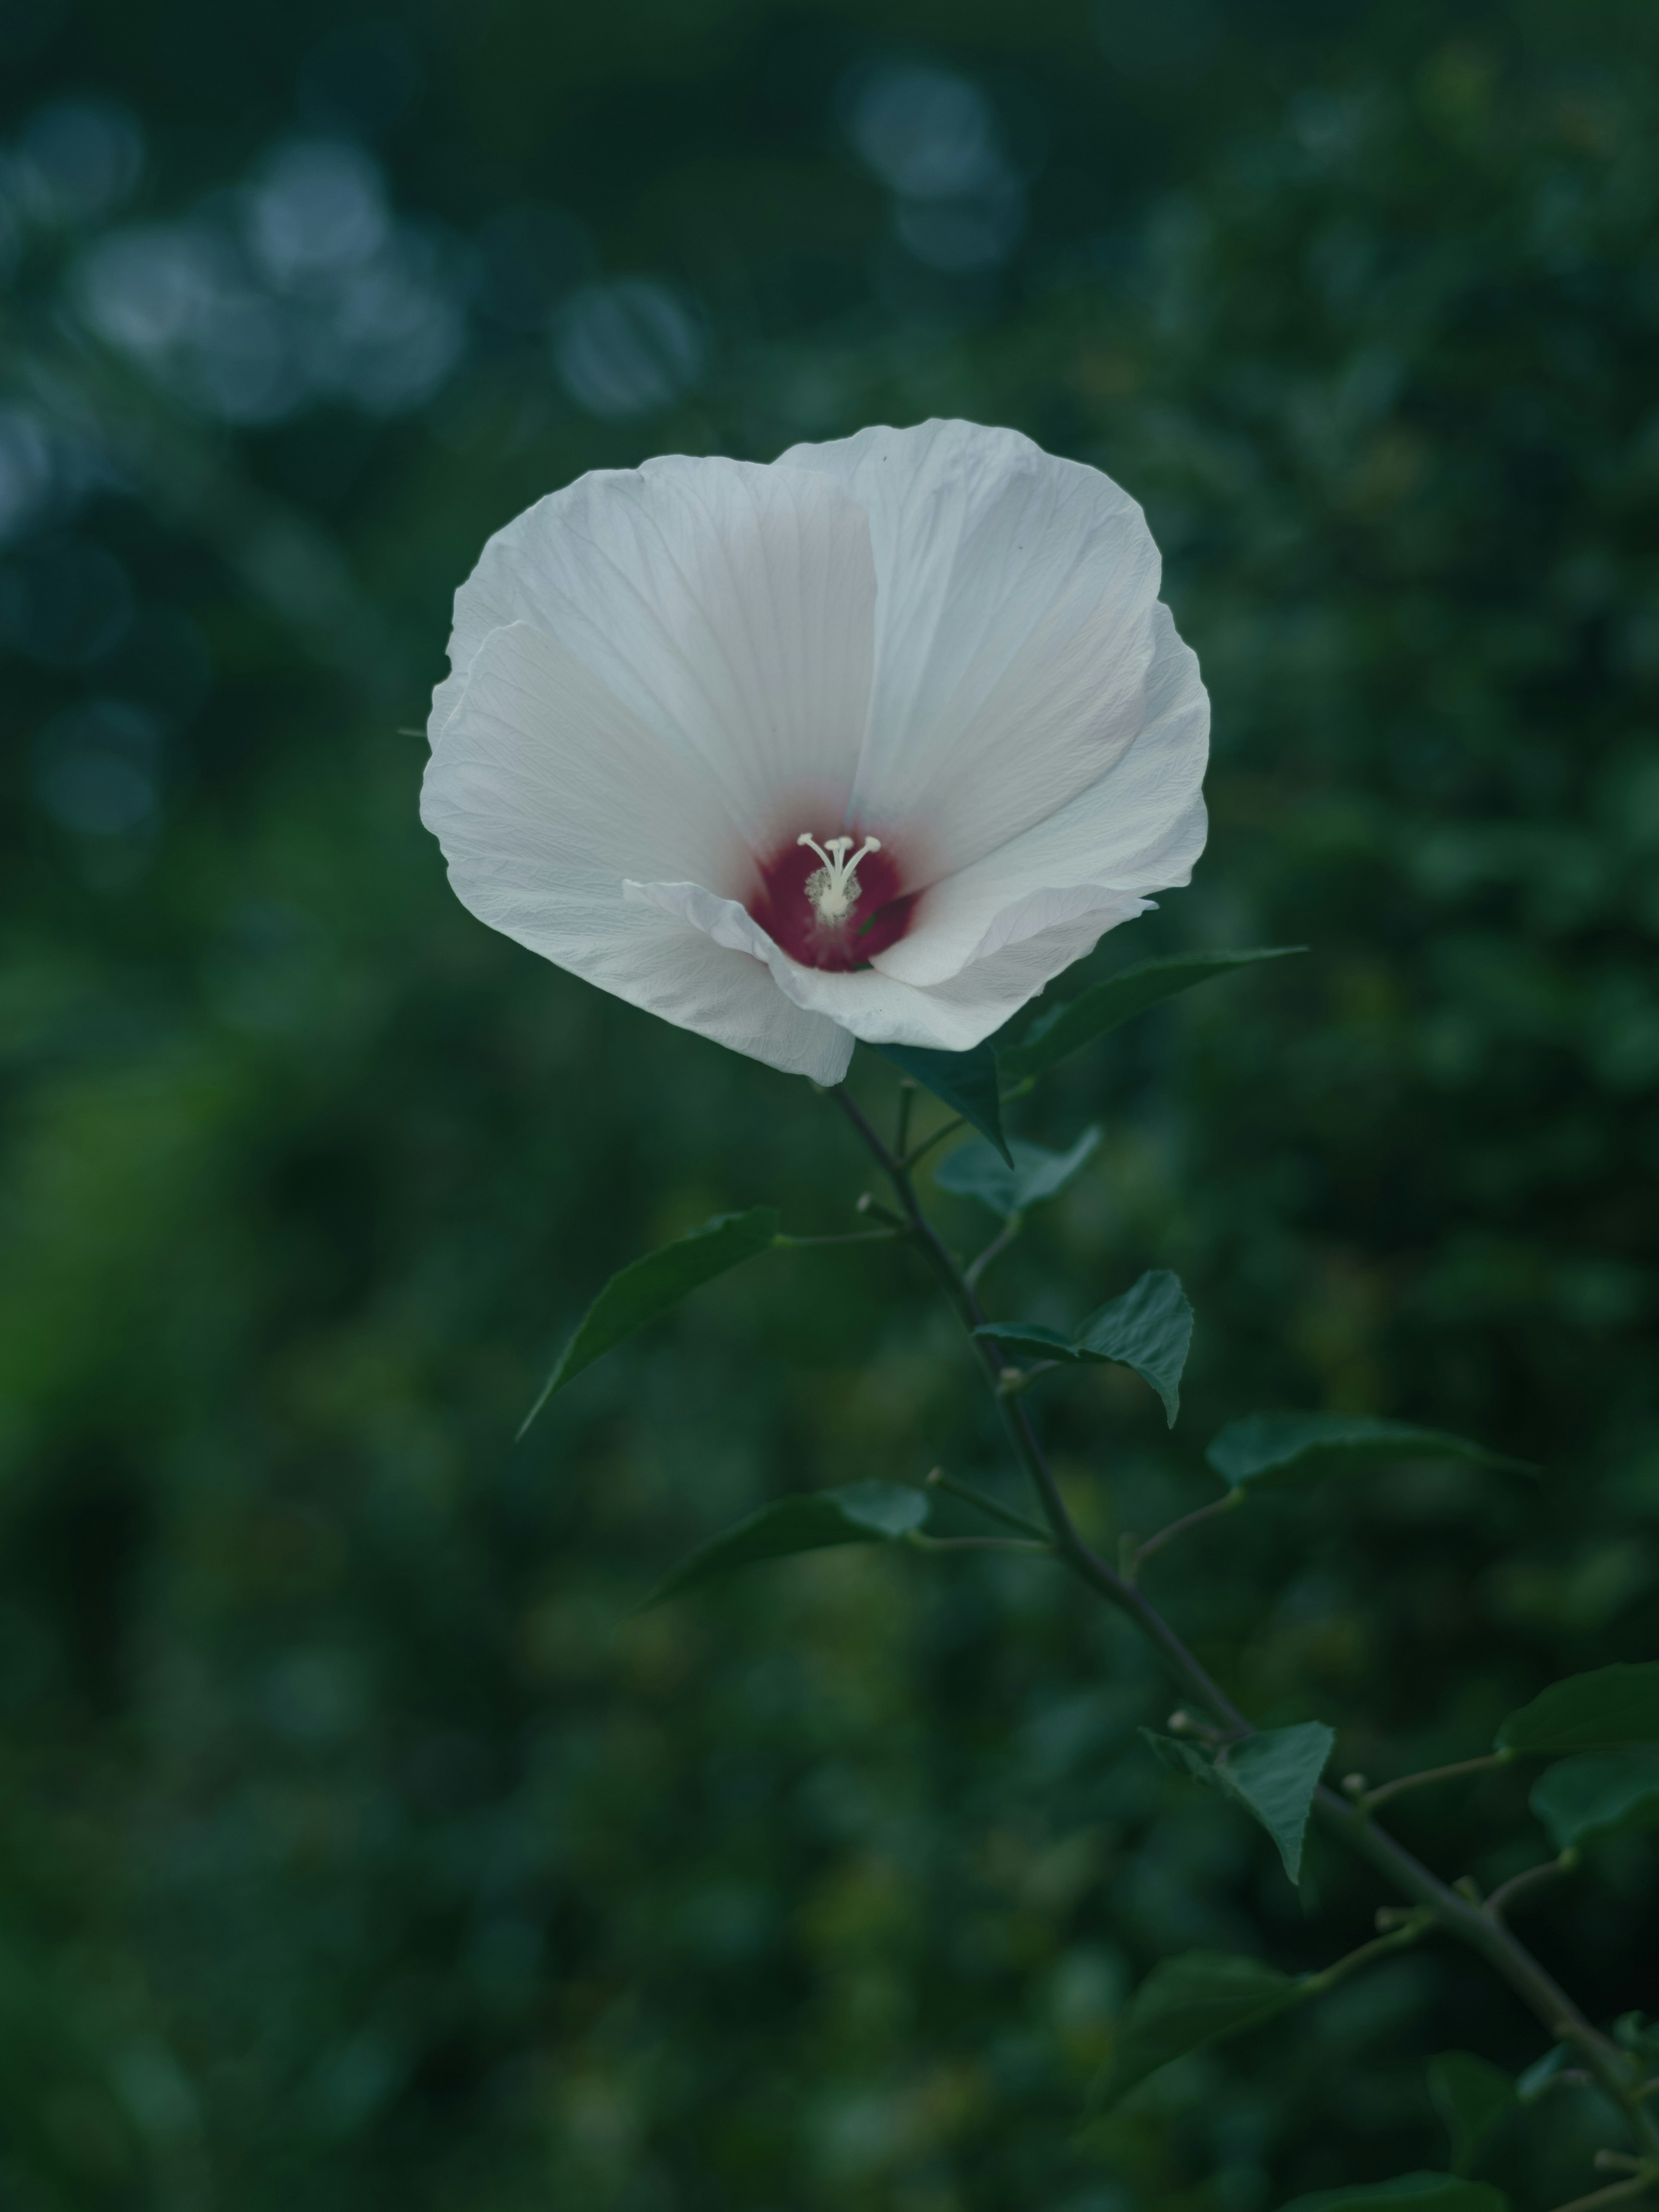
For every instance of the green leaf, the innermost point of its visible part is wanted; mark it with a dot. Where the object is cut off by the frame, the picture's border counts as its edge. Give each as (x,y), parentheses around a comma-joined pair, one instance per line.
(976,1171)
(1149,1328)
(967,1082)
(1054,1035)
(1600,1711)
(1412,2192)
(1471,2097)
(648,1287)
(1186,2004)
(1270,1451)
(1540,2075)
(863,1513)
(1273,1774)
(1633,2031)
(1586,1800)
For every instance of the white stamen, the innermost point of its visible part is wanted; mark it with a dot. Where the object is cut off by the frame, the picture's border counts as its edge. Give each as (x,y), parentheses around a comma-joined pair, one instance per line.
(833,888)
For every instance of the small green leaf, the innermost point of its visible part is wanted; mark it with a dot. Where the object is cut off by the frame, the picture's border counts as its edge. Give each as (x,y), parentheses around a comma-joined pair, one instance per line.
(1054,1035)
(863,1513)
(1149,1328)
(976,1171)
(967,1082)
(1633,2031)
(1586,1800)
(1186,2004)
(1542,2074)
(648,1287)
(1270,1451)
(1412,2192)
(1471,2097)
(1600,1711)
(1273,1774)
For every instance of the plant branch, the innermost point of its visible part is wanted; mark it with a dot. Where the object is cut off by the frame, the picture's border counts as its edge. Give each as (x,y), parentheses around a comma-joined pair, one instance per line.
(1068,1540)
(1372,1799)
(1458,1915)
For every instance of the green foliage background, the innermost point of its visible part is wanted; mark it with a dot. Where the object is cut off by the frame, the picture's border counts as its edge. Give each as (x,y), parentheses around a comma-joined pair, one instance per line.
(360,1846)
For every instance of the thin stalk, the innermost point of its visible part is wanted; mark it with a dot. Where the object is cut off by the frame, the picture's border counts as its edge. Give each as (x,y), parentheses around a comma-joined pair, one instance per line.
(1533,1878)
(782,1243)
(1217,1506)
(978,1543)
(1458,1915)
(1617,2193)
(1372,1798)
(907,1100)
(1012,1380)
(939,1481)
(919,1152)
(1412,1930)
(871,1204)
(997,1245)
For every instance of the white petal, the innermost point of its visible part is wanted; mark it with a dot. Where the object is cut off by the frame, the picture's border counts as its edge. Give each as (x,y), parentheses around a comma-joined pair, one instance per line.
(731,607)
(880,1010)
(1013,628)
(545,792)
(1138,828)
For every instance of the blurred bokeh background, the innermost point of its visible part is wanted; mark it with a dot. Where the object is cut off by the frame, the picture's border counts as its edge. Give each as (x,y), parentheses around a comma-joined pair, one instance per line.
(360,1848)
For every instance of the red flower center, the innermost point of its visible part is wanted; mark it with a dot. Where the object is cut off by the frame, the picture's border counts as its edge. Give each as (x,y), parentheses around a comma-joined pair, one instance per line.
(830,905)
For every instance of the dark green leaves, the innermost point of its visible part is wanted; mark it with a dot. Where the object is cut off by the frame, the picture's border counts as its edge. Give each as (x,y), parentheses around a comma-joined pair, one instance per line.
(1471,2097)
(967,1082)
(1269,1451)
(1148,1329)
(976,1171)
(1054,1036)
(650,1286)
(863,1513)
(1615,1705)
(1412,2192)
(1586,1800)
(1184,2004)
(1273,1775)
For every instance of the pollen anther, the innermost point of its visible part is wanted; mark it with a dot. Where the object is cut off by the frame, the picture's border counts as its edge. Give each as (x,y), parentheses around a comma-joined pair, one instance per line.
(833,888)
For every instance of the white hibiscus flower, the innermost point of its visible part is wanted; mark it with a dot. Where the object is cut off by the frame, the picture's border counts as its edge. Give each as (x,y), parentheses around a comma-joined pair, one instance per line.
(869,743)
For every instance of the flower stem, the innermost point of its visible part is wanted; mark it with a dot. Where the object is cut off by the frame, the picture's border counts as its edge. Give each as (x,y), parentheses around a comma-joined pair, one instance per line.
(1459,1915)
